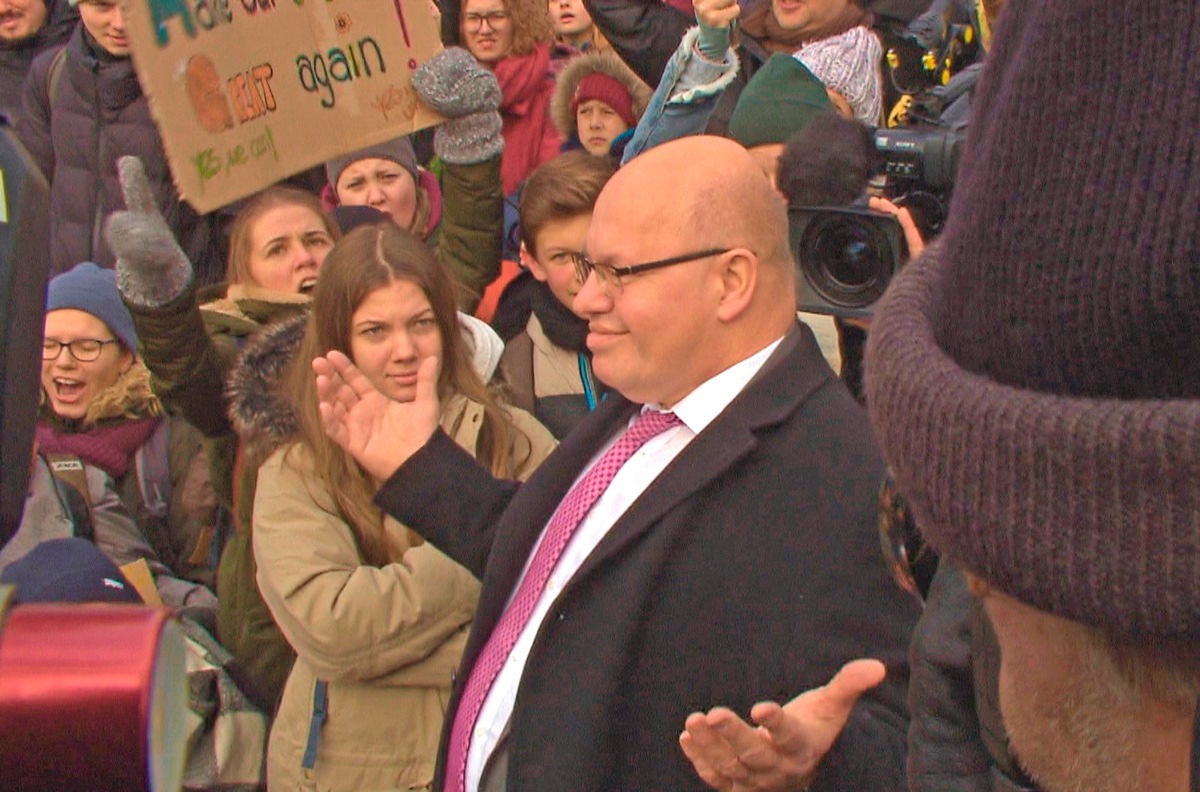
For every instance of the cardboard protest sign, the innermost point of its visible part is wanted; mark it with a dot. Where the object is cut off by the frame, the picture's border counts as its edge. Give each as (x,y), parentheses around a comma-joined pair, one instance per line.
(247,92)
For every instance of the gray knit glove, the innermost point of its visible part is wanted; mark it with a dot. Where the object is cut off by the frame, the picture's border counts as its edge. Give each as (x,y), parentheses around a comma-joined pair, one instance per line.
(453,83)
(151,268)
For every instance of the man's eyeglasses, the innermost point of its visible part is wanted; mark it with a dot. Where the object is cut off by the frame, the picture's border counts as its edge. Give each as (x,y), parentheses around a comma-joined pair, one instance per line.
(610,277)
(911,561)
(85,350)
(474,21)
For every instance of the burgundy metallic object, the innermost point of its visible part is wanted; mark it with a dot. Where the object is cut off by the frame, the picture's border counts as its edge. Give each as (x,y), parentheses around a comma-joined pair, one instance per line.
(91,697)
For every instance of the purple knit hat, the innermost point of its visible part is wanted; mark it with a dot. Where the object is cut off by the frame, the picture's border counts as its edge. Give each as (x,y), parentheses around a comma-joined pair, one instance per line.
(1034,379)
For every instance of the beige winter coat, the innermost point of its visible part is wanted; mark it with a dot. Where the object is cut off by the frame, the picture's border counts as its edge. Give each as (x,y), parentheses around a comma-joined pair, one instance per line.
(386,639)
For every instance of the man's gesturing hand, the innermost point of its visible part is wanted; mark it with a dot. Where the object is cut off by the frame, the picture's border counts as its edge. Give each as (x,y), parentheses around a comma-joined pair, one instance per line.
(783,751)
(379,432)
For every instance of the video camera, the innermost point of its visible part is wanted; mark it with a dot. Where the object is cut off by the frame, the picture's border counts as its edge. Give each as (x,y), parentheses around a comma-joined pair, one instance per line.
(848,255)
(918,166)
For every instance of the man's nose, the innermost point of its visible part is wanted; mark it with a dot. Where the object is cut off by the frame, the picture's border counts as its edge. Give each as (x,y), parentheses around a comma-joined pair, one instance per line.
(592,298)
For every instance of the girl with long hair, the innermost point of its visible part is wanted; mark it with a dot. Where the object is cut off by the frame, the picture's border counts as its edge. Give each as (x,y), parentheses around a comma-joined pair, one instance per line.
(377,617)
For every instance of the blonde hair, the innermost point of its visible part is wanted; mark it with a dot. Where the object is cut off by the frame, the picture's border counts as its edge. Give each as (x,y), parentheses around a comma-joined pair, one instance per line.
(365,260)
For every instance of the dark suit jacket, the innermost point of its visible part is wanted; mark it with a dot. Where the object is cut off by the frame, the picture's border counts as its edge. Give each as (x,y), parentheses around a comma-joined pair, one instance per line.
(749,570)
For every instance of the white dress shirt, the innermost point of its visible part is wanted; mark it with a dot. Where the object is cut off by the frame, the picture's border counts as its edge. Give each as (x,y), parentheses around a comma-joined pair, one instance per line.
(696,411)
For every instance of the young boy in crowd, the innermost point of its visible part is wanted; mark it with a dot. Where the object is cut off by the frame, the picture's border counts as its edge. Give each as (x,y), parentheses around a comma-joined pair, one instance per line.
(546,361)
(597,103)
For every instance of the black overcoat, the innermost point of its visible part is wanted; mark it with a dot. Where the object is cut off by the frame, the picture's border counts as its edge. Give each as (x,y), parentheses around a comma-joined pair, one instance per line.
(749,569)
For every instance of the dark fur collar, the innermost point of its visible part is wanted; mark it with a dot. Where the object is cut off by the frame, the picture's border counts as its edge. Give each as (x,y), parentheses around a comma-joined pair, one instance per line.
(262,414)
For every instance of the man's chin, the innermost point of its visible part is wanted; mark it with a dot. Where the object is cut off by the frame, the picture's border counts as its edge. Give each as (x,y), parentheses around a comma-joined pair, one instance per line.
(604,369)
(1076,738)
(15,37)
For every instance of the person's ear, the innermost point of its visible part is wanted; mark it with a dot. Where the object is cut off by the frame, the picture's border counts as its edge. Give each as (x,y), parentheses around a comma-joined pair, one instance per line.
(739,281)
(978,587)
(529,262)
(126,359)
(840,104)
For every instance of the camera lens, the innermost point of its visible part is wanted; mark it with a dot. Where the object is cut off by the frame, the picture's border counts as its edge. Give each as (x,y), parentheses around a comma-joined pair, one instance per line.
(847,260)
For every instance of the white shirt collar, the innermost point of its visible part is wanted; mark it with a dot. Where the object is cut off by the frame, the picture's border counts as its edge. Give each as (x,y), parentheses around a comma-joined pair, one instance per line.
(709,399)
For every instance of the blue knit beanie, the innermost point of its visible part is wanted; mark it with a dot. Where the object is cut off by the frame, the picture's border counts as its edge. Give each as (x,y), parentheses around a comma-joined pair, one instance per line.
(89,288)
(68,570)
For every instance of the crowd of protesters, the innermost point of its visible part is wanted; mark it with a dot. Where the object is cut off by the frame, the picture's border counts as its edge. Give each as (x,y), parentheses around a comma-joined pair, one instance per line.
(338,427)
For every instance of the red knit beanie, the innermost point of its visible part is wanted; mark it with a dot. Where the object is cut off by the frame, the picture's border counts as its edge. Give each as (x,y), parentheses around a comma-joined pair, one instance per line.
(608,90)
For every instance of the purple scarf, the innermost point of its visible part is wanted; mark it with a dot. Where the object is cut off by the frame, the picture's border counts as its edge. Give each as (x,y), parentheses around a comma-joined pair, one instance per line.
(110,448)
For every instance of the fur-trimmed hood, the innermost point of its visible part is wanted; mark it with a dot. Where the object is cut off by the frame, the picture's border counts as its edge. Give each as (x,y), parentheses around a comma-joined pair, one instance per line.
(573,73)
(262,417)
(242,310)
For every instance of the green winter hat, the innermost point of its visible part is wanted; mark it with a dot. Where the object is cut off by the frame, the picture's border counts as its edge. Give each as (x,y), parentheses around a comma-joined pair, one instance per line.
(779,101)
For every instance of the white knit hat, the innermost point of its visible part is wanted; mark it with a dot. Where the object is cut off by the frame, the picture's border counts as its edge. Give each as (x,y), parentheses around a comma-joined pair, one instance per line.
(485,345)
(850,65)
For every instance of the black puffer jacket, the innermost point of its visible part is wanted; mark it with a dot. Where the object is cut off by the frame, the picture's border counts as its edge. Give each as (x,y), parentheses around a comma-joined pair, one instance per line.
(16,57)
(98,114)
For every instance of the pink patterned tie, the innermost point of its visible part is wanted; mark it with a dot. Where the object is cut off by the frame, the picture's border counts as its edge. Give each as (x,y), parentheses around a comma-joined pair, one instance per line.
(566,519)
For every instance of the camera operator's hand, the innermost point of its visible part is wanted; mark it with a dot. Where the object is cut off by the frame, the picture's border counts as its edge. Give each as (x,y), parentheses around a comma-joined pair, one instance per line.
(912,236)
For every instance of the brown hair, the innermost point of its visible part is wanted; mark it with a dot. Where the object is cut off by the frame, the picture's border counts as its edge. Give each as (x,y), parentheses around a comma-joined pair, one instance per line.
(531,24)
(238,267)
(367,259)
(565,187)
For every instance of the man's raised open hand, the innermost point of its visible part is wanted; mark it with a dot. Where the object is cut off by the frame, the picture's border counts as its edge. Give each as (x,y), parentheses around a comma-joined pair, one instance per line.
(379,432)
(782,751)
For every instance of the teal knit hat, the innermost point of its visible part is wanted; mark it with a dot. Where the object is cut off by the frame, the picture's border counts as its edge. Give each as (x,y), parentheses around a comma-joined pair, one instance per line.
(779,101)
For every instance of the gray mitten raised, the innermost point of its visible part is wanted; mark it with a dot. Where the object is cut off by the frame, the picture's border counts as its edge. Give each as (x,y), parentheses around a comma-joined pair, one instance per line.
(453,83)
(151,268)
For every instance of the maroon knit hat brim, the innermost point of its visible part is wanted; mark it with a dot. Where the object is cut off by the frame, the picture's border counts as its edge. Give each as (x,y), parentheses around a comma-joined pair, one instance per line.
(609,90)
(1034,378)
(1087,508)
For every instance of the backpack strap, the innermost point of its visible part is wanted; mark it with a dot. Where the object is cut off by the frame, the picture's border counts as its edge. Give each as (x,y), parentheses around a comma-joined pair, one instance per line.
(70,484)
(54,76)
(153,464)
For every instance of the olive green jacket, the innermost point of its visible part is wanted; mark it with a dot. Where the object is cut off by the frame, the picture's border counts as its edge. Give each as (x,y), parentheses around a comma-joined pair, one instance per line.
(191,345)
(472,229)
